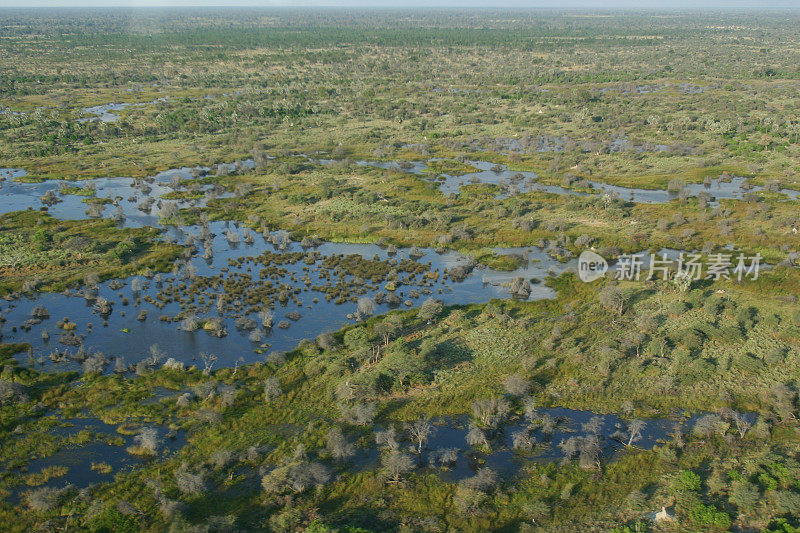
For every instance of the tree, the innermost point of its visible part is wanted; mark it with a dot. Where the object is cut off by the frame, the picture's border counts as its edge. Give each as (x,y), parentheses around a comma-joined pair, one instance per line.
(395,464)
(272,389)
(147,441)
(337,445)
(430,309)
(469,501)
(365,308)
(745,495)
(187,482)
(356,338)
(420,431)
(612,299)
(516,385)
(388,327)
(490,412)
(635,428)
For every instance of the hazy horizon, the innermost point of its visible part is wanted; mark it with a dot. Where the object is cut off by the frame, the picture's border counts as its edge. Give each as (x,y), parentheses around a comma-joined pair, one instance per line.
(596,5)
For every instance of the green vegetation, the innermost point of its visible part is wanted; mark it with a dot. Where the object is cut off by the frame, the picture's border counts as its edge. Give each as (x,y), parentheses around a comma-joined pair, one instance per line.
(734,344)
(38,252)
(689,389)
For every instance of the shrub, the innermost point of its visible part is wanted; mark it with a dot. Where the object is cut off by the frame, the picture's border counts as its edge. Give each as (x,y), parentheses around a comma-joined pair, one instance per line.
(710,516)
(189,483)
(44,499)
(687,481)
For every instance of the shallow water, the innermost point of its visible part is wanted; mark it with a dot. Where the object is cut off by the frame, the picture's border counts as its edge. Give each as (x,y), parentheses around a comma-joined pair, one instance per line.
(79,458)
(451,432)
(130,338)
(110,333)
(11,173)
(126,197)
(736,188)
(514,182)
(136,336)
(105,112)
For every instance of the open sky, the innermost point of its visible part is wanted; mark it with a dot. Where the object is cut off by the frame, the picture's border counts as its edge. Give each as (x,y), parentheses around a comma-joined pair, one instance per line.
(555,4)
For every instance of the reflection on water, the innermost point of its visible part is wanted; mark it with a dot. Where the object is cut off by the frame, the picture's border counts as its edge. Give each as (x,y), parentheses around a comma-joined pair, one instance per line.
(448,452)
(105,112)
(133,202)
(131,335)
(513,182)
(304,296)
(106,446)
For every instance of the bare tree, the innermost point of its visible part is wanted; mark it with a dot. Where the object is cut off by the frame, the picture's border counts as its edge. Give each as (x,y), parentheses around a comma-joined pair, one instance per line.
(523,440)
(208,362)
(590,453)
(119,365)
(44,499)
(190,323)
(169,210)
(326,341)
(587,449)
(94,364)
(484,479)
(529,404)
(337,445)
(420,431)
(490,412)
(307,475)
(742,423)
(361,414)
(94,209)
(187,482)
(395,464)
(635,428)
(593,426)
(266,317)
(148,441)
(11,392)
(387,438)
(272,389)
(366,307)
(516,385)
(613,299)
(476,437)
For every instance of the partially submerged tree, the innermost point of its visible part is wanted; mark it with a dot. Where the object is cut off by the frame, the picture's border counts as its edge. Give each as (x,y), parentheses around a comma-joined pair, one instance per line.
(420,431)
